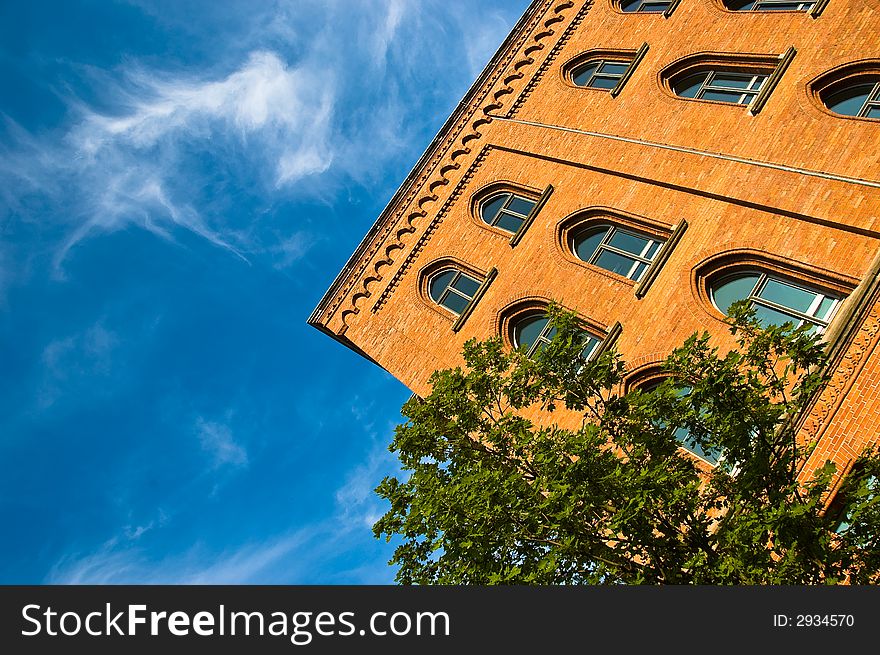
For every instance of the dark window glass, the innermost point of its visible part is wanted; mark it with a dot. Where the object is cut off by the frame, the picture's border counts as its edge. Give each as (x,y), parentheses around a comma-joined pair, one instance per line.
(788,295)
(872,485)
(860,99)
(733,289)
(585,245)
(644,6)
(531,333)
(768,5)
(520,206)
(583,74)
(534,333)
(683,435)
(506,210)
(467,285)
(614,262)
(455,302)
(687,87)
(453,289)
(776,301)
(440,282)
(599,74)
(721,86)
(617,250)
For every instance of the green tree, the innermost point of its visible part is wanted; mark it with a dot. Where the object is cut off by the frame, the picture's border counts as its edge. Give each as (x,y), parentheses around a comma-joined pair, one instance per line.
(492,497)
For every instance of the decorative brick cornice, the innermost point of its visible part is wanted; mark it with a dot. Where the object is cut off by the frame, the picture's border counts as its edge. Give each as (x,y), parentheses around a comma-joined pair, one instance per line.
(431,228)
(846,372)
(551,57)
(404,218)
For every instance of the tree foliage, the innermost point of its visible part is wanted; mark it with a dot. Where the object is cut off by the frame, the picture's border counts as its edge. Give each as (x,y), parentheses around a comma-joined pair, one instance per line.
(497,492)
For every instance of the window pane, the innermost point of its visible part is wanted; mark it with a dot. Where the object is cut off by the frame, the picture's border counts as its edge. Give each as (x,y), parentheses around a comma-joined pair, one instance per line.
(628,242)
(509,222)
(455,302)
(791,6)
(688,86)
(783,6)
(613,68)
(824,308)
(467,285)
(637,274)
(611,261)
(521,205)
(849,101)
(585,243)
(873,112)
(683,436)
(582,75)
(590,344)
(756,85)
(655,6)
(724,96)
(600,82)
(768,316)
(731,290)
(630,5)
(731,80)
(528,330)
(653,250)
(490,209)
(739,5)
(787,295)
(439,284)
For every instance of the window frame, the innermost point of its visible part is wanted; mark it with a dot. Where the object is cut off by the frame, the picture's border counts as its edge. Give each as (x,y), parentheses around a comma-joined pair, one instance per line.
(798,317)
(544,337)
(839,78)
(600,62)
(600,58)
(812,4)
(604,245)
(459,273)
(504,209)
(872,101)
(712,64)
(669,4)
(707,86)
(653,379)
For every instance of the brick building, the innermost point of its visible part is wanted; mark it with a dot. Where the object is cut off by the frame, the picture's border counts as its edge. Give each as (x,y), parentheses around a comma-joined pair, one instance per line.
(644,163)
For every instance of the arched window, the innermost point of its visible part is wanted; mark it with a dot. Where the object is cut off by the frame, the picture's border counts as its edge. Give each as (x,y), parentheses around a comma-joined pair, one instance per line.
(860,483)
(736,87)
(858,96)
(775,300)
(682,434)
(615,249)
(453,289)
(507,211)
(644,6)
(599,73)
(768,5)
(533,332)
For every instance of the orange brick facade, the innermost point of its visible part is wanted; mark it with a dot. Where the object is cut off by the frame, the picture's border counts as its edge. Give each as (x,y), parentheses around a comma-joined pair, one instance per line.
(791,188)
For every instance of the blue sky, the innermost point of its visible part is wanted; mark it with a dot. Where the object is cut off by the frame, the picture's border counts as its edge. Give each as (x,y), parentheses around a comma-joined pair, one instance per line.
(179,184)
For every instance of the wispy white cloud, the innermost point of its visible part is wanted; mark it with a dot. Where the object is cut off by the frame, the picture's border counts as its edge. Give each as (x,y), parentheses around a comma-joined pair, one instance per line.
(307,97)
(295,557)
(138,165)
(384,35)
(218,441)
(290,250)
(69,360)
